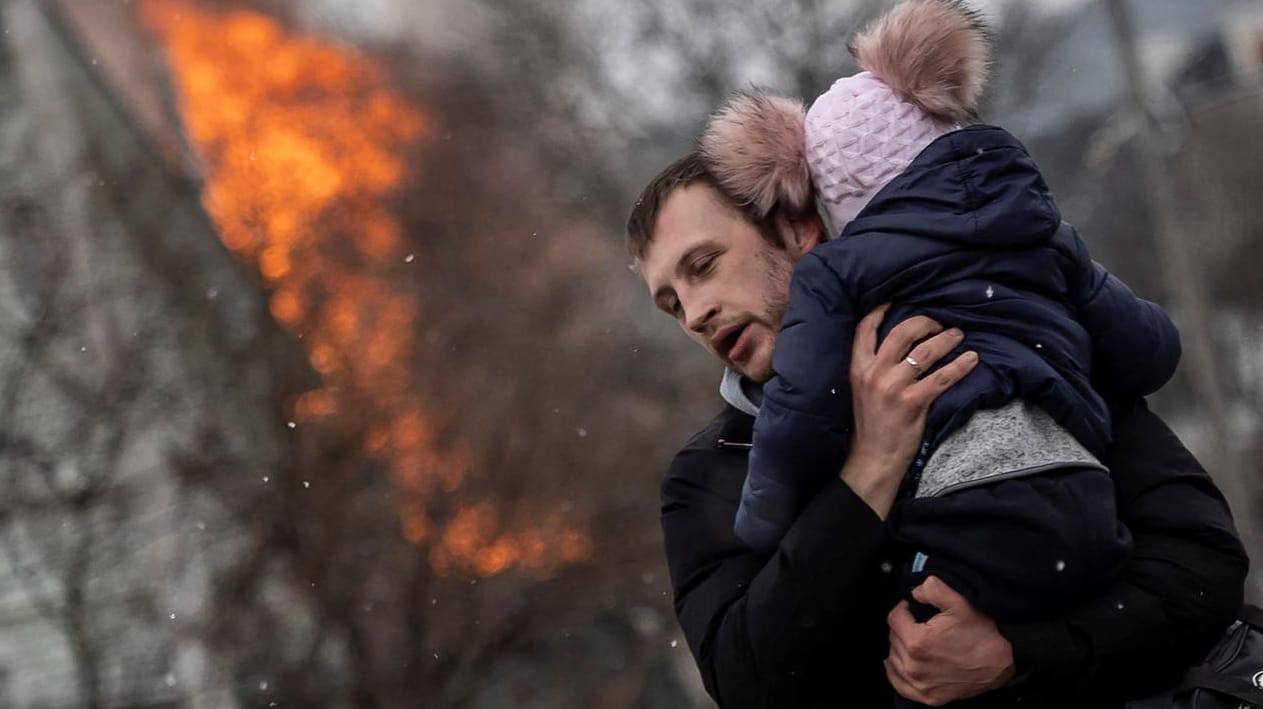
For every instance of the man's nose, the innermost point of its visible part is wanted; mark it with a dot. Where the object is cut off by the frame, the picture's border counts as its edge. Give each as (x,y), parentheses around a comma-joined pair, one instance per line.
(698,315)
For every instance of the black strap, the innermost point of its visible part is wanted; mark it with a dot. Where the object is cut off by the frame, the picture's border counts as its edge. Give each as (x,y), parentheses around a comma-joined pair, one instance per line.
(1252,615)
(1204,678)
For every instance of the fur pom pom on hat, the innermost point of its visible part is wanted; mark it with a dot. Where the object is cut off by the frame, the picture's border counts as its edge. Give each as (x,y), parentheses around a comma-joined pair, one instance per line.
(926,65)
(934,53)
(756,147)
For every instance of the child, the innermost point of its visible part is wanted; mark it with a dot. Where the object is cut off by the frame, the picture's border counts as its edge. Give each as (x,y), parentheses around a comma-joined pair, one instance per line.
(1008,502)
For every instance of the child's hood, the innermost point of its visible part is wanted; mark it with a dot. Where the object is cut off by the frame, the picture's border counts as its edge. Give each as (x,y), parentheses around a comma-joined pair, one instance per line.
(976,186)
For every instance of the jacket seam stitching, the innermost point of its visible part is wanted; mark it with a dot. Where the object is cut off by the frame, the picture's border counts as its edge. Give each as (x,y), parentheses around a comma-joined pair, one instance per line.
(1020,472)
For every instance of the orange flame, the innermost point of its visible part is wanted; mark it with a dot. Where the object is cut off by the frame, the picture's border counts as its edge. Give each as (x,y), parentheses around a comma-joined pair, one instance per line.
(301,141)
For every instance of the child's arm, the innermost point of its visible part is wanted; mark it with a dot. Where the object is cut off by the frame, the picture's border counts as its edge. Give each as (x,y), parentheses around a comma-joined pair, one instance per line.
(1135,345)
(802,432)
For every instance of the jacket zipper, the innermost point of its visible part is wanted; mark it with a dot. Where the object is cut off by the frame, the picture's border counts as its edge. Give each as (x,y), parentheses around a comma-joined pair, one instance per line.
(725,443)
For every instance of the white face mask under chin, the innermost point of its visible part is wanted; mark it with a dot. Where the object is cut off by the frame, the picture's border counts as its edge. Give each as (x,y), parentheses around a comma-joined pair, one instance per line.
(733,389)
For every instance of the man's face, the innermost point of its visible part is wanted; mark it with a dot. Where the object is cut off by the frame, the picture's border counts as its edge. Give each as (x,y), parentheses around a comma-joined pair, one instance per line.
(727,287)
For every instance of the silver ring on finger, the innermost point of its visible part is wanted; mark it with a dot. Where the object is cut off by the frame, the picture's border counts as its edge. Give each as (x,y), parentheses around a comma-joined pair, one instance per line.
(914,364)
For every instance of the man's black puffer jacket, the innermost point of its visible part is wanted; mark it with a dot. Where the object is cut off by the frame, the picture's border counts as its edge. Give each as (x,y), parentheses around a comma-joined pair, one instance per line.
(806,627)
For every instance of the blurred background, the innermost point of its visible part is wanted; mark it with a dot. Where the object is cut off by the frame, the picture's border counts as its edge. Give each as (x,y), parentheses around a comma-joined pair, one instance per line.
(324,380)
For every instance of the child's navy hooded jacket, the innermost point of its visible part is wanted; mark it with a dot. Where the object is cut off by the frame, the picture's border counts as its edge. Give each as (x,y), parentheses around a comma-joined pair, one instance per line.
(969,236)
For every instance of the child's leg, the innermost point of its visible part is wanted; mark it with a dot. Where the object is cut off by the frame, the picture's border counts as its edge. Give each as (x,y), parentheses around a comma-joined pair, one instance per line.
(1016,548)
(1019,548)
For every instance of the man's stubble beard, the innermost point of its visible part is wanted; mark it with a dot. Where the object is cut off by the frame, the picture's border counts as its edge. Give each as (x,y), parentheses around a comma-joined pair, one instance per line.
(778,269)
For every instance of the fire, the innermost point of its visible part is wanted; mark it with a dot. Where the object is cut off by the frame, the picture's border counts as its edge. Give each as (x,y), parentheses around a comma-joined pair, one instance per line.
(300,139)
(472,536)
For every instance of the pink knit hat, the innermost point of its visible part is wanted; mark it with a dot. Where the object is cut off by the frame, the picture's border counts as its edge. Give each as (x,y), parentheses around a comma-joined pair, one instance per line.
(926,64)
(860,135)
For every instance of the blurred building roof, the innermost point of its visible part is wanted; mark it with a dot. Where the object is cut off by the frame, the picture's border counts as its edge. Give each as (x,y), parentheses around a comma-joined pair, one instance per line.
(120,53)
(1082,75)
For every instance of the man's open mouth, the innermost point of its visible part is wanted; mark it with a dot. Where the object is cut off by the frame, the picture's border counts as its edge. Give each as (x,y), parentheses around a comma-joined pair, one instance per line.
(727,339)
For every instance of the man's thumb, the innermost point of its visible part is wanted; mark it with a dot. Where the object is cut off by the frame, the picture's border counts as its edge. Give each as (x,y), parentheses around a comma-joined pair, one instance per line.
(935,593)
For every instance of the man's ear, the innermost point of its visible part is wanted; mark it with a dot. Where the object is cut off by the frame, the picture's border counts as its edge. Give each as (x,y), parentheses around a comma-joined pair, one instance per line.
(801,234)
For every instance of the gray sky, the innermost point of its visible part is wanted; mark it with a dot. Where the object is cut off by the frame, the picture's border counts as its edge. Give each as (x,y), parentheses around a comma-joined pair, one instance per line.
(451,24)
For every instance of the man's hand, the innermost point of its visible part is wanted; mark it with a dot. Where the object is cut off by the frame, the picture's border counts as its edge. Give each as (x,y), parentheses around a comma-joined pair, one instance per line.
(889,398)
(955,655)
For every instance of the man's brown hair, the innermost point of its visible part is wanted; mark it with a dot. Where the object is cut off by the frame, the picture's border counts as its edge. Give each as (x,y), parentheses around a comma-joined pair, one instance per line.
(688,170)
